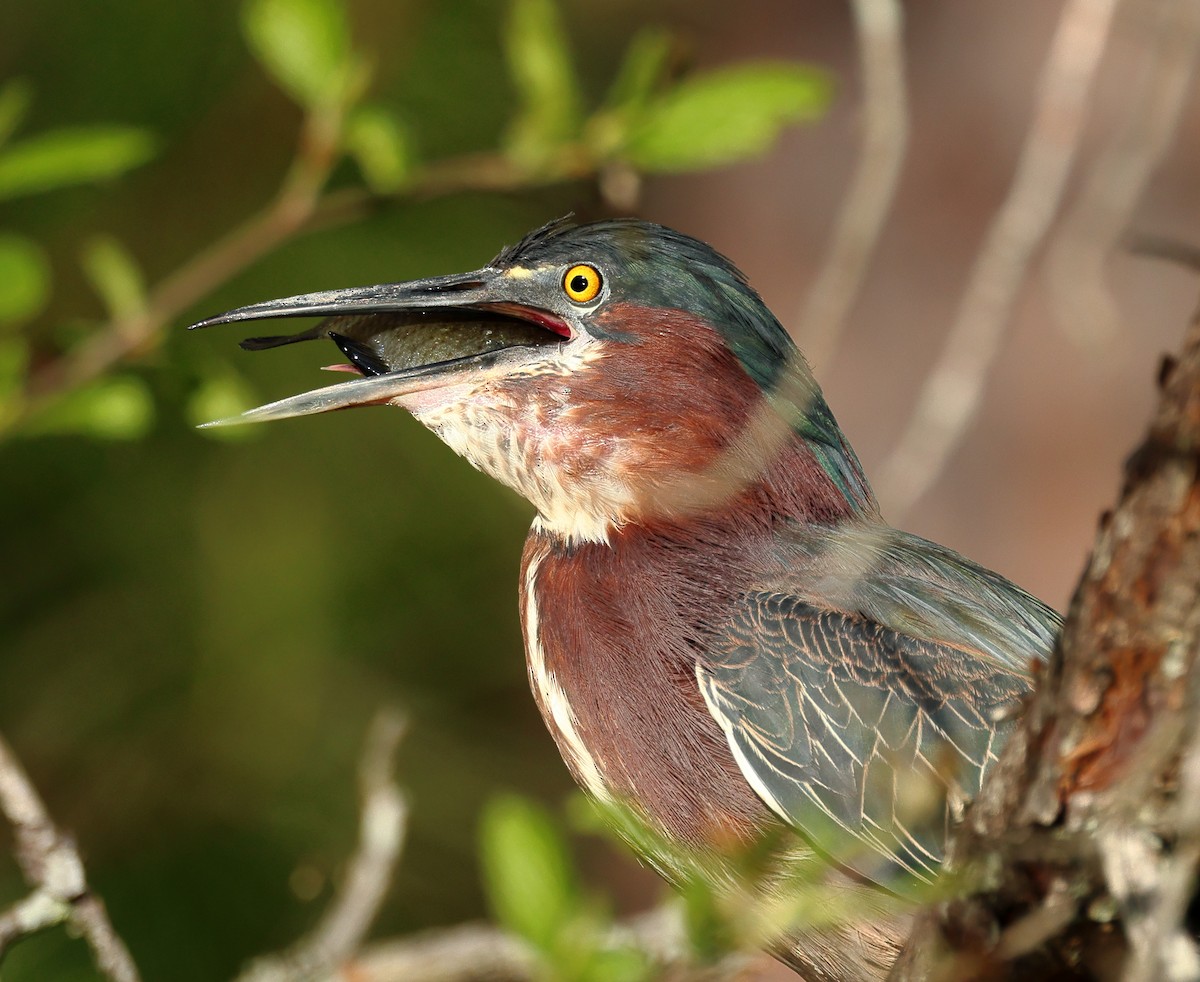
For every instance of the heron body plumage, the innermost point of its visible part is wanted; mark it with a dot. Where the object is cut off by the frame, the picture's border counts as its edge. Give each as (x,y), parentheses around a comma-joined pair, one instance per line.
(722,632)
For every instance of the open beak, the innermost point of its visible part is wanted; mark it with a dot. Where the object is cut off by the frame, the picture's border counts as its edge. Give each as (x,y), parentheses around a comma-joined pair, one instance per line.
(405,338)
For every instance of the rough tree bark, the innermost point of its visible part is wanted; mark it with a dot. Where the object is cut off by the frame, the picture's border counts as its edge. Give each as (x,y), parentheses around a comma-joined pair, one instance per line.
(1085,842)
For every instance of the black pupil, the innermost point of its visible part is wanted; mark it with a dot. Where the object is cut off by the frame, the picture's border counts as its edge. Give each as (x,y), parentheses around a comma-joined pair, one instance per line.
(580,283)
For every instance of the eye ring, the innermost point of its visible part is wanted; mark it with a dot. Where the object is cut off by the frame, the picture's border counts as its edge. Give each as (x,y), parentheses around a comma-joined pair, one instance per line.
(582,282)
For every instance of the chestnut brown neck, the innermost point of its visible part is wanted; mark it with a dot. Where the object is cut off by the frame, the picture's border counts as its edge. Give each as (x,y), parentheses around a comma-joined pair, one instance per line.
(613,634)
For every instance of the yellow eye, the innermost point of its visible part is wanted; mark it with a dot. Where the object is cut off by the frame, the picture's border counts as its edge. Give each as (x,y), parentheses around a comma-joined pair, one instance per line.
(582,283)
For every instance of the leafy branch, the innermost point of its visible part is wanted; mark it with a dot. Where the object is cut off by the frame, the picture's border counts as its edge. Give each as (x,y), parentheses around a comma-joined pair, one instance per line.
(648,122)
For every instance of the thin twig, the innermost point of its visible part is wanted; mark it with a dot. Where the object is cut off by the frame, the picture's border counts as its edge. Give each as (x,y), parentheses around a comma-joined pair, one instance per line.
(1117,180)
(51,864)
(340,932)
(953,389)
(334,951)
(138,332)
(1181,253)
(869,199)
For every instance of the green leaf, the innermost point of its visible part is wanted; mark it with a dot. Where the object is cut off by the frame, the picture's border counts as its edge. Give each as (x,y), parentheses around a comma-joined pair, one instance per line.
(15,97)
(14,360)
(77,155)
(24,278)
(115,276)
(304,45)
(725,116)
(528,874)
(640,73)
(539,62)
(219,396)
(381,146)
(618,965)
(708,932)
(119,408)
(642,69)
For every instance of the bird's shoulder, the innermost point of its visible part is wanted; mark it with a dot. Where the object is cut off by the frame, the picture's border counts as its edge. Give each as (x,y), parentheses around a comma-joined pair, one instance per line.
(912,586)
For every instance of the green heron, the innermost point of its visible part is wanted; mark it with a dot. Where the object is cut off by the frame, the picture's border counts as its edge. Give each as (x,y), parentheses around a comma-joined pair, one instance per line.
(722,633)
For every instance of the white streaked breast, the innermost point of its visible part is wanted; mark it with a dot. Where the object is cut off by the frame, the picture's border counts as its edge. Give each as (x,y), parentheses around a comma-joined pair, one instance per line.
(552,700)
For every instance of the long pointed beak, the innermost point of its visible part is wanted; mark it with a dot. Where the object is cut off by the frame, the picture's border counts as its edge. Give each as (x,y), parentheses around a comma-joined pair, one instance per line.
(461,290)
(432,333)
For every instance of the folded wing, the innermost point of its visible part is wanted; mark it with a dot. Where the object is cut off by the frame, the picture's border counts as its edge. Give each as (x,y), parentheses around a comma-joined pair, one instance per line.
(840,723)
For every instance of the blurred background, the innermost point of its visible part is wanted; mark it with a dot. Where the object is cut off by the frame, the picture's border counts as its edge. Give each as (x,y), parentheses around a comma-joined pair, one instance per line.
(195,631)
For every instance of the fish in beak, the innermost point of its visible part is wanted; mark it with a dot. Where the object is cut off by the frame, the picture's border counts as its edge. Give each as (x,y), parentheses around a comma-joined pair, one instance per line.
(405,338)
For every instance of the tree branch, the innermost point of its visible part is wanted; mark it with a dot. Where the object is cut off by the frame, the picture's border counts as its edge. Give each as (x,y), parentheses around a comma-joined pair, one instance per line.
(300,206)
(1118,178)
(1096,798)
(865,208)
(340,933)
(483,953)
(51,865)
(953,390)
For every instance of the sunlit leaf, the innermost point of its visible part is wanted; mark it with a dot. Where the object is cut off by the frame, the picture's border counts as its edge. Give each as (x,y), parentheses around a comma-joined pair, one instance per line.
(381,146)
(15,97)
(119,408)
(303,44)
(115,276)
(527,871)
(539,62)
(219,396)
(24,278)
(725,116)
(77,155)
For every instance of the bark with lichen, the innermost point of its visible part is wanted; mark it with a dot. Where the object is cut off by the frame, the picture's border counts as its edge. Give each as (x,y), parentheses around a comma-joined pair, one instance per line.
(1086,839)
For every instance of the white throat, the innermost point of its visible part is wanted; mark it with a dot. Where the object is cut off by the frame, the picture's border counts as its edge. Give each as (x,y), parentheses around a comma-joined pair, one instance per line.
(521,430)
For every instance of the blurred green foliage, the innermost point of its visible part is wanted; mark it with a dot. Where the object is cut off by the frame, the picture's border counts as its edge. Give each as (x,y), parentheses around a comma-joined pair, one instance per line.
(24,278)
(544,77)
(194,631)
(535,891)
(304,45)
(47,161)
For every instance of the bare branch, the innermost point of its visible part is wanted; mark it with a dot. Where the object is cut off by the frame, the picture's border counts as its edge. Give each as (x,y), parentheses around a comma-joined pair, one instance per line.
(953,390)
(51,864)
(873,188)
(466,953)
(334,950)
(482,953)
(1118,178)
(341,931)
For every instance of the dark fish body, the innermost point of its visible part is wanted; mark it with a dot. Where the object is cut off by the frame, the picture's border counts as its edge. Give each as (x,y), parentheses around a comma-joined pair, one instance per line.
(393,342)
